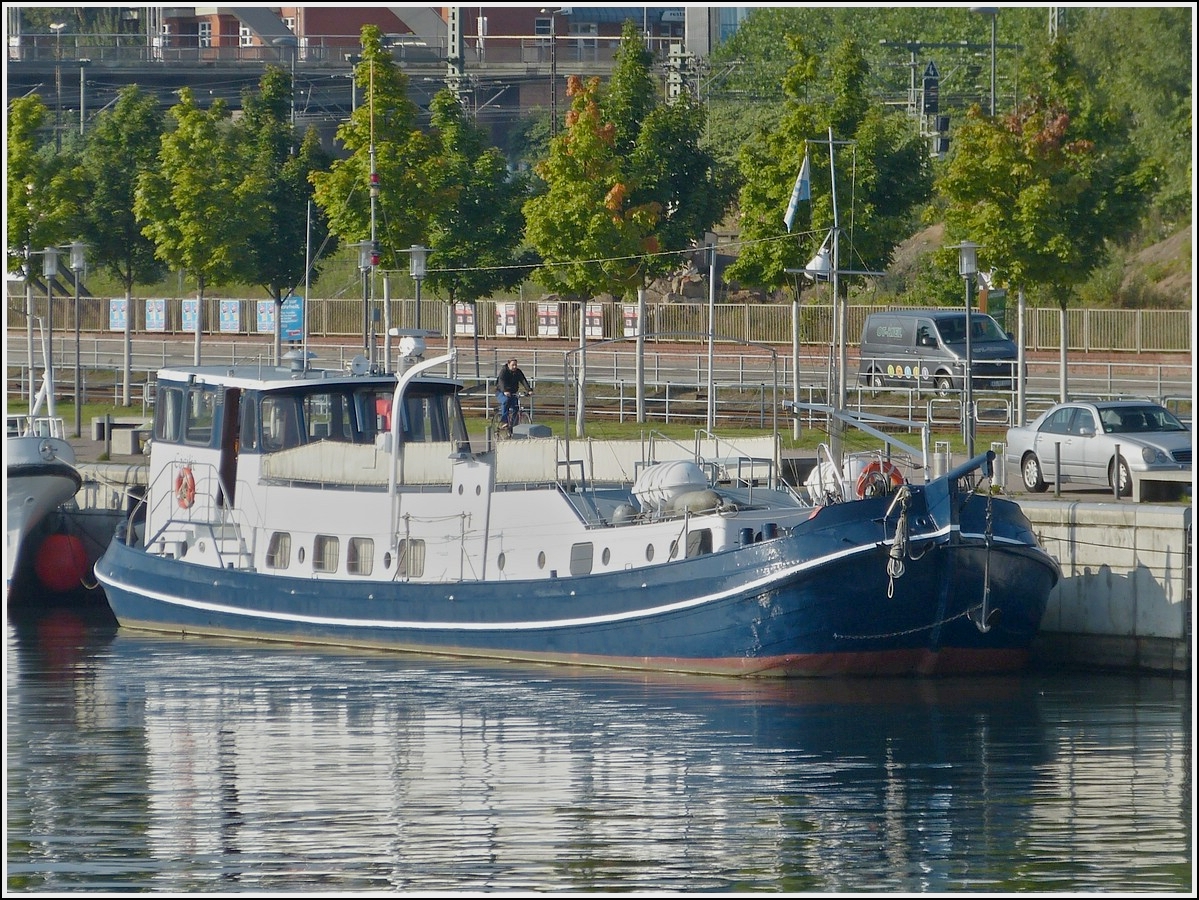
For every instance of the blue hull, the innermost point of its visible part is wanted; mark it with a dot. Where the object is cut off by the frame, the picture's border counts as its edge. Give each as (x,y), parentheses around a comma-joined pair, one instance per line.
(818,600)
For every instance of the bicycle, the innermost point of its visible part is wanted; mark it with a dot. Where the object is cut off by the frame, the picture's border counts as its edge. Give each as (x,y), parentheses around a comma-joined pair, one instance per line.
(517,415)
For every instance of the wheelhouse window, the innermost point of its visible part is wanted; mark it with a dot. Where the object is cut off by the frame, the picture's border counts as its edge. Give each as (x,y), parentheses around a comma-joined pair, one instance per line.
(200,415)
(168,414)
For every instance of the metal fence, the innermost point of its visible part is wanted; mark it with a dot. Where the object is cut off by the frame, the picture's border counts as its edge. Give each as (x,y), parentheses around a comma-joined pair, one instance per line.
(1115,330)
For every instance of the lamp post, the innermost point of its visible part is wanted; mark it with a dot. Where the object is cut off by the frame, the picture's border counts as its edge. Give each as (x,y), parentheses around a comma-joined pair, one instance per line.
(288,45)
(76,268)
(552,13)
(50,271)
(993,12)
(366,259)
(416,268)
(968,268)
(57,28)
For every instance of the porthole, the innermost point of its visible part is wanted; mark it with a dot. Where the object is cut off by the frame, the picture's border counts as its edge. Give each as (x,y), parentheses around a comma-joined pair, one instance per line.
(387,560)
(460,490)
(500,560)
(478,490)
(300,554)
(649,552)
(541,560)
(606,556)
(674,549)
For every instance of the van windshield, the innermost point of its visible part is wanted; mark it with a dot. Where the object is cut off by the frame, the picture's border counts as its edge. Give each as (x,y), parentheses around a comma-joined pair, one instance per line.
(953,329)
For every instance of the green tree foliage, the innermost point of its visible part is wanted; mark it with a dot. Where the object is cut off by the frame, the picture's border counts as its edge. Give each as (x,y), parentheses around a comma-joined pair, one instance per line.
(43,187)
(1045,189)
(276,189)
(190,204)
(476,233)
(653,191)
(121,145)
(384,127)
(590,238)
(881,179)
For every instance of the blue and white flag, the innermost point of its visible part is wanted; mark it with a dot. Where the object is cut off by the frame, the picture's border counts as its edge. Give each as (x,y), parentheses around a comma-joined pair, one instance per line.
(801,191)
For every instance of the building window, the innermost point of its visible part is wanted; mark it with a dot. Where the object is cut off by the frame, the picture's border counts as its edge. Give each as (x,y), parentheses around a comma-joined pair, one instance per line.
(245,37)
(204,34)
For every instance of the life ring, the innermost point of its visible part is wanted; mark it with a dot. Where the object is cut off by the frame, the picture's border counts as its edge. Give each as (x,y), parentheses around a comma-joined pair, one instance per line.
(185,488)
(878,478)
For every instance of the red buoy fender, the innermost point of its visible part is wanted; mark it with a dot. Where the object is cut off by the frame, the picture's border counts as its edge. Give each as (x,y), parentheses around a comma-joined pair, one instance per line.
(876,470)
(185,488)
(60,562)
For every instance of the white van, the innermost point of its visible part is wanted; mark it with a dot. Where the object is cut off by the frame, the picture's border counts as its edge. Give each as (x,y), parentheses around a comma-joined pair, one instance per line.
(927,349)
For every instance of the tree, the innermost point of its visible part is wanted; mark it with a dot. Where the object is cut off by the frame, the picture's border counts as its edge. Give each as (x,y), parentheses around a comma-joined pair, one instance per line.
(880,183)
(189,205)
(1045,189)
(121,147)
(591,238)
(380,191)
(276,191)
(476,233)
(121,144)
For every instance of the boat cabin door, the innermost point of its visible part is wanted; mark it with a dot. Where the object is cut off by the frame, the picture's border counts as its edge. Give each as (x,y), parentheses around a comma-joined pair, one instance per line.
(230,445)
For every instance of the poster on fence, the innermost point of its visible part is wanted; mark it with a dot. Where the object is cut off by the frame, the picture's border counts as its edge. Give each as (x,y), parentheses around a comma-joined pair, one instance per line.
(291,318)
(630,320)
(118,314)
(505,319)
(547,320)
(156,314)
(191,314)
(266,316)
(594,317)
(230,316)
(464,318)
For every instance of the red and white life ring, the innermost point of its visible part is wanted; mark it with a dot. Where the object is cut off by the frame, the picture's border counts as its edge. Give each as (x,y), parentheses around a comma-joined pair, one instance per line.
(185,488)
(879,477)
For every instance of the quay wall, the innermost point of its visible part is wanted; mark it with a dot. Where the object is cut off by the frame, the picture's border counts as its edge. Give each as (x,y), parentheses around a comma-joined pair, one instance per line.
(1125,598)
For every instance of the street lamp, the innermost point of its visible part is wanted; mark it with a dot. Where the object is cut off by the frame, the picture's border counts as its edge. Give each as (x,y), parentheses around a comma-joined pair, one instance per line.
(57,28)
(367,259)
(968,268)
(552,13)
(50,271)
(76,268)
(993,12)
(288,45)
(416,268)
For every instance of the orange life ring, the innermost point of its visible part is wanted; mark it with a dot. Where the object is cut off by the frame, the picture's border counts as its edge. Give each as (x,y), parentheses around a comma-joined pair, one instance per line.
(886,471)
(185,488)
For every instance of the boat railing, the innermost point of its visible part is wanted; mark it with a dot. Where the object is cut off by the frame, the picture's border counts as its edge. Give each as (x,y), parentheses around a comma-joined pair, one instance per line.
(177,516)
(25,425)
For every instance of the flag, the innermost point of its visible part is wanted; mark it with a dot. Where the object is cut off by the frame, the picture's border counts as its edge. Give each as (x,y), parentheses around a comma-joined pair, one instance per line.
(801,191)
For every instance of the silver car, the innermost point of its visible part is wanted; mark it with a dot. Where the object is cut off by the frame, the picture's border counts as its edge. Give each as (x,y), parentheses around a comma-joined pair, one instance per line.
(1149,436)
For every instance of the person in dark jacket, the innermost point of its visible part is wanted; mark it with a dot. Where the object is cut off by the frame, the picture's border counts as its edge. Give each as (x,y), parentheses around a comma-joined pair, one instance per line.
(509,382)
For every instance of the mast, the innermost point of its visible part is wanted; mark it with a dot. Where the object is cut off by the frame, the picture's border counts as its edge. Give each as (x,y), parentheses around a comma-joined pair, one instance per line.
(374,184)
(839,312)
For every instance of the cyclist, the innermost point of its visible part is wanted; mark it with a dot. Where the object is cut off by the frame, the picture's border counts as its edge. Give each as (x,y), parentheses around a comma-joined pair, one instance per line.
(509,382)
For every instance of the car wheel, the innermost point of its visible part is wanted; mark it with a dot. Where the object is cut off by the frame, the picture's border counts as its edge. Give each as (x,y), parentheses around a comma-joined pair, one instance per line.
(1124,478)
(1030,469)
(943,385)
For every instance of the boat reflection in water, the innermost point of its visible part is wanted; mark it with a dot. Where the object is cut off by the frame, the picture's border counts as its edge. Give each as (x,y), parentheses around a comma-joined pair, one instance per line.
(203,764)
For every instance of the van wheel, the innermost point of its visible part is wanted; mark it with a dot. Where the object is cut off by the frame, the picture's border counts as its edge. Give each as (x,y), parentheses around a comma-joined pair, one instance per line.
(943,385)
(875,380)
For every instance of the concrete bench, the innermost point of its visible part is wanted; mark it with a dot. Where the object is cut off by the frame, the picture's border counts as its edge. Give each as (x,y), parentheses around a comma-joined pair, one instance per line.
(117,424)
(1161,486)
(128,441)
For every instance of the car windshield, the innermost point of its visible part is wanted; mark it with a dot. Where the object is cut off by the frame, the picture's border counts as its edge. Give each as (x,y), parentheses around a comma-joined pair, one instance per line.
(1132,419)
(953,329)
